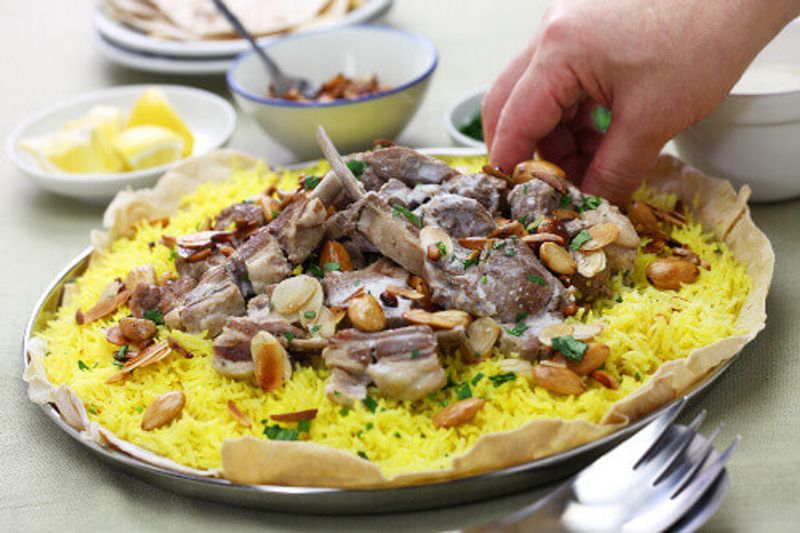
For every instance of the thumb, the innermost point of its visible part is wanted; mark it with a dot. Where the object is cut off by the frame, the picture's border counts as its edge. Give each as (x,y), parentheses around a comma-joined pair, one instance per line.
(618,167)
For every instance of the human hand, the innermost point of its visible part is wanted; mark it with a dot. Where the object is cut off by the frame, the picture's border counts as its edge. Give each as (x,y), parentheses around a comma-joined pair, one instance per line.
(658,66)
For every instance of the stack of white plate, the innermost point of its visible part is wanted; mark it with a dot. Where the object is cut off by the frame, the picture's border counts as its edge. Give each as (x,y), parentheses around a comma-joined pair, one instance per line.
(133,49)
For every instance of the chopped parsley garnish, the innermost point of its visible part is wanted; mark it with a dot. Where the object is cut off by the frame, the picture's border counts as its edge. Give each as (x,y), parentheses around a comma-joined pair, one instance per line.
(473,127)
(591,201)
(139,409)
(518,329)
(570,348)
(618,299)
(510,252)
(357,167)
(344,411)
(499,379)
(534,278)
(331,266)
(304,426)
(398,435)
(121,355)
(82,365)
(315,328)
(566,202)
(289,336)
(315,270)
(484,279)
(310,182)
(414,354)
(442,248)
(535,224)
(276,432)
(398,211)
(310,314)
(478,377)
(154,315)
(370,403)
(463,391)
(602,118)
(578,240)
(638,377)
(470,261)
(525,190)
(173,255)
(498,244)
(363,455)
(92,410)
(523,219)
(450,383)
(369,426)
(520,316)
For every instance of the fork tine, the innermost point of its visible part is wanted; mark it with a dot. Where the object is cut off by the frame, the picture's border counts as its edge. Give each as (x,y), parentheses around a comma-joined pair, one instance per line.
(708,474)
(670,452)
(680,477)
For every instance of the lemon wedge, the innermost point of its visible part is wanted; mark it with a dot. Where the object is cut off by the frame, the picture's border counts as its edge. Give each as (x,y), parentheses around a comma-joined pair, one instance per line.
(153,108)
(148,146)
(77,151)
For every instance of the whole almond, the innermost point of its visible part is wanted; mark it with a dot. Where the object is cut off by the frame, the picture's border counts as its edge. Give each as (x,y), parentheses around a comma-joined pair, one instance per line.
(670,273)
(593,358)
(163,410)
(602,236)
(366,313)
(271,363)
(557,258)
(334,252)
(558,379)
(137,329)
(448,319)
(458,413)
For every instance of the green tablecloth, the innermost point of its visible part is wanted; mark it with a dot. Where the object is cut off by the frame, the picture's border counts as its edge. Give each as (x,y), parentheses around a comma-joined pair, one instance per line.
(50,483)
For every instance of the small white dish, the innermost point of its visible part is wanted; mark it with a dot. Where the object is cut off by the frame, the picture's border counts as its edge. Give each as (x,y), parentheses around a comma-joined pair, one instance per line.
(210,118)
(460,113)
(126,37)
(160,64)
(402,60)
(754,139)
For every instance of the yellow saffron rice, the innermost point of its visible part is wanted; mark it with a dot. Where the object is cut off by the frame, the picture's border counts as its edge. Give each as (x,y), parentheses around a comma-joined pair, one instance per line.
(646,327)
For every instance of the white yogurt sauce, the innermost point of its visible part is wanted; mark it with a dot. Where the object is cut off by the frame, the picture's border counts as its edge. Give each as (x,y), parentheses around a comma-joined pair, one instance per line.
(769,78)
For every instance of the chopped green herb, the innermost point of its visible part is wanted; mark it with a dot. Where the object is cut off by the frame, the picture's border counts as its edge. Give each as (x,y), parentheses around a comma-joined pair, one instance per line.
(525,188)
(569,347)
(173,255)
(310,314)
(304,426)
(591,201)
(154,315)
(523,219)
(478,377)
(356,283)
(310,182)
(344,410)
(139,409)
(82,365)
(315,328)
(498,244)
(398,435)
(369,426)
(444,403)
(289,336)
(450,383)
(520,316)
(357,167)
(578,240)
(474,127)
(92,410)
(119,364)
(484,279)
(398,211)
(566,202)
(370,403)
(121,355)
(510,252)
(518,329)
(363,455)
(442,248)
(414,354)
(331,266)
(535,224)
(471,261)
(618,299)
(533,278)
(95,365)
(638,377)
(315,270)
(276,432)
(463,391)
(432,396)
(602,118)
(499,379)
(244,278)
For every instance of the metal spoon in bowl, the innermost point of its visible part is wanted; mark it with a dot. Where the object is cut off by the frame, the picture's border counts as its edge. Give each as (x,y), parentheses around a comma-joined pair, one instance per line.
(280,81)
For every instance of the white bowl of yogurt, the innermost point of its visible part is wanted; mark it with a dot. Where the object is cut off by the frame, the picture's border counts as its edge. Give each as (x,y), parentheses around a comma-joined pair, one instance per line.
(753,136)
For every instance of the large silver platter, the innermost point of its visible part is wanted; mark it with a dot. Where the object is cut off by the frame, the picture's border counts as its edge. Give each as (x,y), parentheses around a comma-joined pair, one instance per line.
(313,500)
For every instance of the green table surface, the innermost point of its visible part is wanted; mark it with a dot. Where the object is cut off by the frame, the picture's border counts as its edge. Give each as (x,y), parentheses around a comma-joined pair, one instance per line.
(49,482)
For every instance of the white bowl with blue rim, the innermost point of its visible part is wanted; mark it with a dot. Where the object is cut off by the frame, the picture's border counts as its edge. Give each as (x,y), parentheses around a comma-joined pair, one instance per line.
(463,119)
(401,60)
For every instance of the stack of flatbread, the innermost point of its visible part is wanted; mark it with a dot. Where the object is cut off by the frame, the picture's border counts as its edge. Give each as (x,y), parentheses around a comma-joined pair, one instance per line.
(191,20)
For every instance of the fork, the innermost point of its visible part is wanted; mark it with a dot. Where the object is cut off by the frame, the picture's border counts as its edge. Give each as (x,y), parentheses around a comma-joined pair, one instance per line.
(645,484)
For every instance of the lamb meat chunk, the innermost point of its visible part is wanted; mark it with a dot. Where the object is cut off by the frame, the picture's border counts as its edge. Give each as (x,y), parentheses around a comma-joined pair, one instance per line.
(525,341)
(395,191)
(260,304)
(173,293)
(374,279)
(506,282)
(209,305)
(532,199)
(487,190)
(196,269)
(402,363)
(404,164)
(621,255)
(233,343)
(458,216)
(145,296)
(300,227)
(263,260)
(247,213)
(329,190)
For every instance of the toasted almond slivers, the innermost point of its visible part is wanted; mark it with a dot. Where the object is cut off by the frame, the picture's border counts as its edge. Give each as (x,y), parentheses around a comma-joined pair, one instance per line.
(238,415)
(163,410)
(518,366)
(536,238)
(137,329)
(584,332)
(272,366)
(148,356)
(458,413)
(474,243)
(366,313)
(297,416)
(554,330)
(291,294)
(178,347)
(270,206)
(434,235)
(203,239)
(334,252)
(602,235)
(482,334)
(643,218)
(440,319)
(590,264)
(548,172)
(605,379)
(421,286)
(557,379)
(566,214)
(670,273)
(114,336)
(557,259)
(593,358)
(404,292)
(672,217)
(103,308)
(138,275)
(513,227)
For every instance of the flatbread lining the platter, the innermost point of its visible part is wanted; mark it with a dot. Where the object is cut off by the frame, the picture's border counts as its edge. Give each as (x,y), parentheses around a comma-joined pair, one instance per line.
(720,210)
